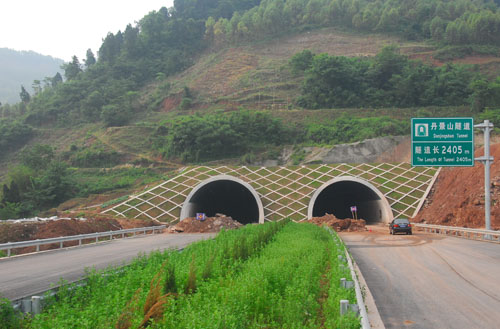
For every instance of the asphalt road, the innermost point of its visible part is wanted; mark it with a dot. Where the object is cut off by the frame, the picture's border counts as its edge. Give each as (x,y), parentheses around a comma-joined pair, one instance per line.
(429,281)
(29,275)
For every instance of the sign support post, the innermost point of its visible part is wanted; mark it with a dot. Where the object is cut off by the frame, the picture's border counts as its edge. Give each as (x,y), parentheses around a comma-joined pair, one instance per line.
(487,127)
(354,211)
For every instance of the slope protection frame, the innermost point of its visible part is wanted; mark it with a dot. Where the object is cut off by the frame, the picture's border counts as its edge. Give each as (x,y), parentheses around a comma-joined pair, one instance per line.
(283,191)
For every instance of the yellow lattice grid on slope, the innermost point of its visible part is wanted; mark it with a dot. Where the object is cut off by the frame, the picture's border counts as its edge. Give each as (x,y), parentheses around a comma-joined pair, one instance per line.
(284,191)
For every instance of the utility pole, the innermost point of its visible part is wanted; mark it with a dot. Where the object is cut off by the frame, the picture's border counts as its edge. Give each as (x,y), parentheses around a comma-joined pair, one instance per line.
(486,159)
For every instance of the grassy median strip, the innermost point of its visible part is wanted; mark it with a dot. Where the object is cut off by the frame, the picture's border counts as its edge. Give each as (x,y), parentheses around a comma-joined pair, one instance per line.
(293,283)
(276,275)
(102,302)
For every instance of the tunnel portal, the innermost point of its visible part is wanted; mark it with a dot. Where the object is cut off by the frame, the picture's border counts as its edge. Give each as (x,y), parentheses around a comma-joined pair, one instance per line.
(226,195)
(338,195)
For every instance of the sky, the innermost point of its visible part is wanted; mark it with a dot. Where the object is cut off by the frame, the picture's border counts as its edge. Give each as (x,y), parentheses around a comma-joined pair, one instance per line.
(62,28)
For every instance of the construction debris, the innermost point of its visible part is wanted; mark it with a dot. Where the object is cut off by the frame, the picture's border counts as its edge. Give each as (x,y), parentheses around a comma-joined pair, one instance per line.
(209,225)
(347,224)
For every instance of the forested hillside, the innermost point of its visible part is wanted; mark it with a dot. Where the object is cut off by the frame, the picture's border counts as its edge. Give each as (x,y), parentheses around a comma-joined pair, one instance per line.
(452,22)
(24,68)
(238,81)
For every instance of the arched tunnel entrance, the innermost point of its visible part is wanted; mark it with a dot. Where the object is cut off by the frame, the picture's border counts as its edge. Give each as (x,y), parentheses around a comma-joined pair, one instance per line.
(227,195)
(338,195)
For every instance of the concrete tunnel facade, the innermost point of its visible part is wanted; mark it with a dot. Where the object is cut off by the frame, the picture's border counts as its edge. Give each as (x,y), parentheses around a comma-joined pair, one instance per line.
(339,194)
(227,195)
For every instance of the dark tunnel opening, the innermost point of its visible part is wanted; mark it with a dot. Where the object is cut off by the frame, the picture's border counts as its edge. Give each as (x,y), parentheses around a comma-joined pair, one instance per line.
(338,198)
(225,197)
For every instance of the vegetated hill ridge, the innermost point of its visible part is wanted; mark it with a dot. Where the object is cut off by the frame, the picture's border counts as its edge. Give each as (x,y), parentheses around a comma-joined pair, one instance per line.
(457,198)
(252,74)
(163,100)
(21,68)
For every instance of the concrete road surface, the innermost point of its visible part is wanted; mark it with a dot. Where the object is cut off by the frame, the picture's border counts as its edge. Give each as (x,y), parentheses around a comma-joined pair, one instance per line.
(29,275)
(429,281)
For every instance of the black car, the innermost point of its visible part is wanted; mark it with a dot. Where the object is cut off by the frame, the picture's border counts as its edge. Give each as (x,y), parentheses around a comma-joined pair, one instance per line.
(400,225)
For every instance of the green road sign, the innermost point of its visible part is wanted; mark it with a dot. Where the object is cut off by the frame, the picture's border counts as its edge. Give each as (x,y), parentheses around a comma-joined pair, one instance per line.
(442,142)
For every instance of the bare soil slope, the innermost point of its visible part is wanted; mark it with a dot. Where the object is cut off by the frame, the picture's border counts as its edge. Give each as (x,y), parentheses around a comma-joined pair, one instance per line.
(252,73)
(26,231)
(457,198)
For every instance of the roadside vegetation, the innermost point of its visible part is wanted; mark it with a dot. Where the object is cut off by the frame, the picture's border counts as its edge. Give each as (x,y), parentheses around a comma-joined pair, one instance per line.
(109,89)
(218,136)
(389,79)
(142,69)
(276,275)
(448,22)
(44,180)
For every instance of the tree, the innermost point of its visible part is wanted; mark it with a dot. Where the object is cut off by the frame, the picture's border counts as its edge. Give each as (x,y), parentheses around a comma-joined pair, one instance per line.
(302,61)
(273,16)
(25,96)
(9,210)
(437,28)
(114,115)
(131,43)
(38,157)
(47,82)
(51,187)
(90,60)
(485,94)
(209,29)
(13,135)
(293,11)
(389,20)
(57,79)
(93,105)
(220,30)
(37,86)
(72,69)
(388,62)
(11,194)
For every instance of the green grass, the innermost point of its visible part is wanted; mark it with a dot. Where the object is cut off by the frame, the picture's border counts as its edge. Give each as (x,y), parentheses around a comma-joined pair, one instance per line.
(280,288)
(95,181)
(100,303)
(276,275)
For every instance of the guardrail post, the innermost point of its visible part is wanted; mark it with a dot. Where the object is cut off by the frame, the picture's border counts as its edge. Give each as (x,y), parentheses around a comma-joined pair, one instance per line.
(36,306)
(344,306)
(26,305)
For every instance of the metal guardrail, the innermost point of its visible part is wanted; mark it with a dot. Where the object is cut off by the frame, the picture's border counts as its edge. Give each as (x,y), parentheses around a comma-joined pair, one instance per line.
(34,303)
(462,232)
(365,322)
(344,304)
(37,243)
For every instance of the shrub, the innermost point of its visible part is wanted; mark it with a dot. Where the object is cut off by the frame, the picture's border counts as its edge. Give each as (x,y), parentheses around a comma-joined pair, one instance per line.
(10,318)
